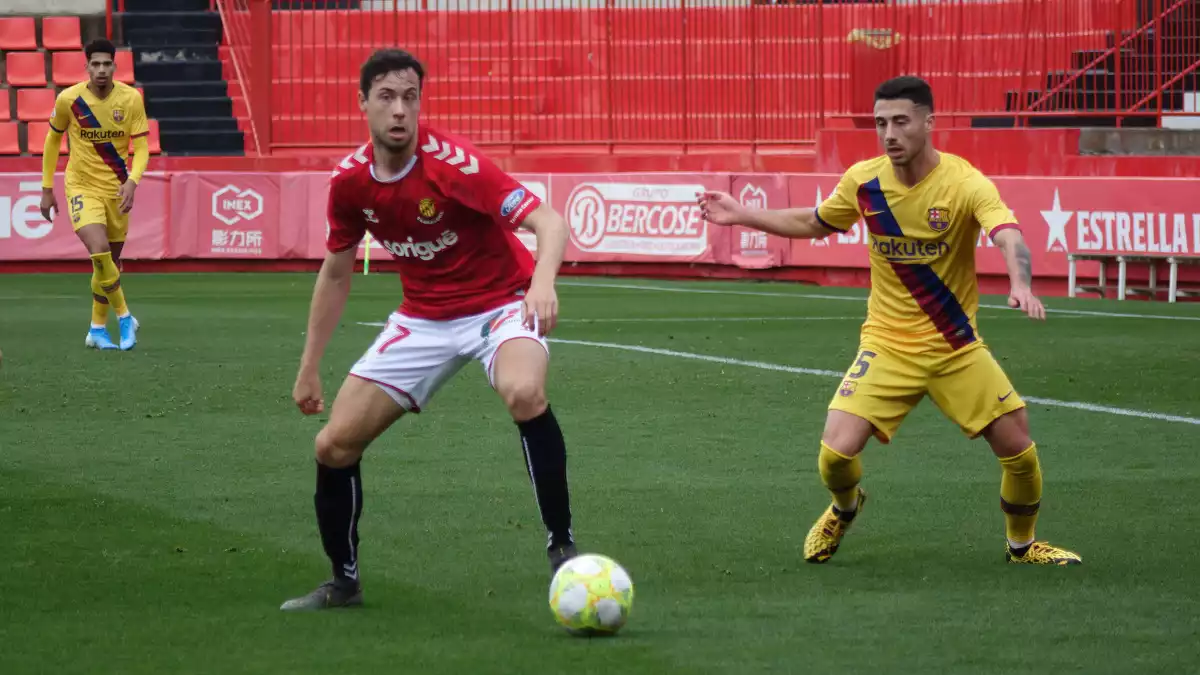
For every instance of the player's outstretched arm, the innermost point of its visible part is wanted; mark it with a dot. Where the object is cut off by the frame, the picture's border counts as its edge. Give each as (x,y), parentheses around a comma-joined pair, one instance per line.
(1020,273)
(542,300)
(49,204)
(720,208)
(328,300)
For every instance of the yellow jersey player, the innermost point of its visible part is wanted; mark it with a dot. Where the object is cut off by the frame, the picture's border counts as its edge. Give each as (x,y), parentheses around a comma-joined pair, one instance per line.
(102,118)
(924,211)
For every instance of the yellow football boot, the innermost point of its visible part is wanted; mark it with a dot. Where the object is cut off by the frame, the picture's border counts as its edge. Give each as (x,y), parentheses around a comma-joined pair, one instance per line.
(826,534)
(1042,553)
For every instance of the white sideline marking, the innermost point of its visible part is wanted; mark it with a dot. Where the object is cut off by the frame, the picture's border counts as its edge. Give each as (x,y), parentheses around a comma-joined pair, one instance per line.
(1091,407)
(846,298)
(683,319)
(711,319)
(703,319)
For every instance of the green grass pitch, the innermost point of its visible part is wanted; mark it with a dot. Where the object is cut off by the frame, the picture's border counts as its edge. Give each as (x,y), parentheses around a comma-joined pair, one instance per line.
(156,506)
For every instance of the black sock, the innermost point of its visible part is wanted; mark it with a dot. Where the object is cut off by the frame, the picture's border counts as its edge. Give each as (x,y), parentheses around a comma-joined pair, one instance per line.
(546,460)
(339,505)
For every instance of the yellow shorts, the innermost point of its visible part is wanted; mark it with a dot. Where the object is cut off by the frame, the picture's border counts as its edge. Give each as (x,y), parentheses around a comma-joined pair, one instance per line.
(86,210)
(967,385)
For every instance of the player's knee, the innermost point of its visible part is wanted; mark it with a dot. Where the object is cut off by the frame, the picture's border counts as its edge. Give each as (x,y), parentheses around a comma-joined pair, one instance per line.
(847,434)
(336,452)
(526,399)
(95,239)
(1009,434)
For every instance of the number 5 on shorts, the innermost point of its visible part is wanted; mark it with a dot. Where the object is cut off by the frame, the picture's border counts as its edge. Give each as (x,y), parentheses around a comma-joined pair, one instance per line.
(863,364)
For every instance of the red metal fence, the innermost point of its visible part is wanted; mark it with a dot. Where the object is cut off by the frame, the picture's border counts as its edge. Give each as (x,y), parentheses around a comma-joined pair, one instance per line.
(695,73)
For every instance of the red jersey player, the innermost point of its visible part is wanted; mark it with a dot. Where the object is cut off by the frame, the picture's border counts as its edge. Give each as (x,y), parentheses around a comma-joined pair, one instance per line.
(471,292)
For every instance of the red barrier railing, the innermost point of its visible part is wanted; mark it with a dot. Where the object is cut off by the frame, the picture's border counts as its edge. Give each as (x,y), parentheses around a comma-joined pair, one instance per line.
(1144,73)
(110,7)
(667,72)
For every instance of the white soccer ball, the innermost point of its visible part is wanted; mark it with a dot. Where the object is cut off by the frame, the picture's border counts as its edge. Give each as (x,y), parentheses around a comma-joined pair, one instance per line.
(591,595)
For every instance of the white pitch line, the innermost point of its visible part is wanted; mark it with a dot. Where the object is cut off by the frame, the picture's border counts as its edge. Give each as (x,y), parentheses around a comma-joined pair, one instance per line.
(846,298)
(709,291)
(683,319)
(761,365)
(703,319)
(1077,405)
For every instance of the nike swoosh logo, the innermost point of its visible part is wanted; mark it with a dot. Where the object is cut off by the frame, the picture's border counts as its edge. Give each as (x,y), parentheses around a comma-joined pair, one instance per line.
(871,213)
(1002,398)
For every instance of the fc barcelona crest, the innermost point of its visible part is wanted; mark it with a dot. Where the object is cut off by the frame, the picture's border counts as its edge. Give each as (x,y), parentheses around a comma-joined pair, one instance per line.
(118,115)
(939,219)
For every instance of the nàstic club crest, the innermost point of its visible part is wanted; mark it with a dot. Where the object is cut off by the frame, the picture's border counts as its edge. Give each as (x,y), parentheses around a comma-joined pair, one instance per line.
(429,214)
(939,219)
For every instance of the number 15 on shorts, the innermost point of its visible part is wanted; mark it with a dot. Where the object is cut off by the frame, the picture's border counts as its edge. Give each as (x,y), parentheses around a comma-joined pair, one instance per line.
(861,365)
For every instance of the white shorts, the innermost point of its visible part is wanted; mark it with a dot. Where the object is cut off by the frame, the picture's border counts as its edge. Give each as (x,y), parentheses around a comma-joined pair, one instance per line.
(412,358)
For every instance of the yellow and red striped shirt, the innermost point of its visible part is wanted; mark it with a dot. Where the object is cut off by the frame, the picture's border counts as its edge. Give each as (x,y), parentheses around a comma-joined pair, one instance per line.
(924,293)
(101,133)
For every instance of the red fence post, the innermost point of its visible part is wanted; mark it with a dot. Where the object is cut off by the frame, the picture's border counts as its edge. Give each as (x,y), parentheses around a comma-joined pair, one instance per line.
(261,70)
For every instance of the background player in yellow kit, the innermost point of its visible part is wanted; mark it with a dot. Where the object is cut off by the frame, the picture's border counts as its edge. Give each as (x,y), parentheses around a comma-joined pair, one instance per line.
(924,211)
(102,117)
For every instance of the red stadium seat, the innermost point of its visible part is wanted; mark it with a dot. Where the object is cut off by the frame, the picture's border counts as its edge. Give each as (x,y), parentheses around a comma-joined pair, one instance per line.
(5,107)
(60,33)
(124,61)
(155,146)
(26,69)
(68,68)
(35,105)
(9,141)
(17,34)
(37,138)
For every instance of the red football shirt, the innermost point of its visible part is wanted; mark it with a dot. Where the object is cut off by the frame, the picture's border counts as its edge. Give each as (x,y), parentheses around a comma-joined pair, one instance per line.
(448,218)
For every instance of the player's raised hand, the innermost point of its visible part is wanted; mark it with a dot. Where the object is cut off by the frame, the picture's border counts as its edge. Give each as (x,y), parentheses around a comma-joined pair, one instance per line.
(49,205)
(540,309)
(720,208)
(1024,300)
(126,195)
(307,393)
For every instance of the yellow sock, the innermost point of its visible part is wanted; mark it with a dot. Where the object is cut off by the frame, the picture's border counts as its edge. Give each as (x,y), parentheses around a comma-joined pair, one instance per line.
(99,304)
(106,275)
(1021,494)
(841,475)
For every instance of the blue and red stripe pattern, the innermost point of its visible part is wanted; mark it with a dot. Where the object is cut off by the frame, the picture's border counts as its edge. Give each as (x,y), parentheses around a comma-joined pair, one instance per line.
(926,287)
(107,151)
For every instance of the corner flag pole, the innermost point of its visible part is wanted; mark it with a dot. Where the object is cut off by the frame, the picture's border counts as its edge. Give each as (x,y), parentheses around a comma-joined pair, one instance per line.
(367,255)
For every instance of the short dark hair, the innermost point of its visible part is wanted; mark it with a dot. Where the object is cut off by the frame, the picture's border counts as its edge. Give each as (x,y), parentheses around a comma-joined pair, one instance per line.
(908,87)
(100,46)
(386,61)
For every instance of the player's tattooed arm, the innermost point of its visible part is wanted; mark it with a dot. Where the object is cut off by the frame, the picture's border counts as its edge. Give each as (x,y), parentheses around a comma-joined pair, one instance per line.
(1024,263)
(1020,272)
(1016,256)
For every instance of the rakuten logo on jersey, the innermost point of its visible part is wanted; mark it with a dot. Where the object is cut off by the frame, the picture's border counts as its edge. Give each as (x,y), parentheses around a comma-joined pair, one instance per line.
(1121,231)
(638,219)
(425,250)
(905,250)
(21,216)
